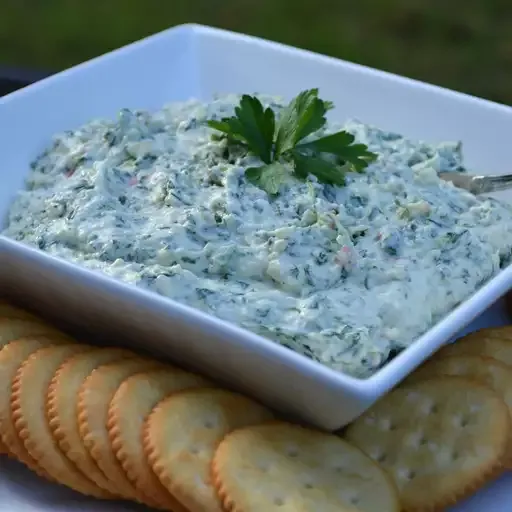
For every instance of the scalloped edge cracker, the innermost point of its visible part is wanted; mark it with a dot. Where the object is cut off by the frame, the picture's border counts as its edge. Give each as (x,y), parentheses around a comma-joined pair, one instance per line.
(62,408)
(485,370)
(28,405)
(11,330)
(12,357)
(10,311)
(495,342)
(130,407)
(283,467)
(440,439)
(182,433)
(94,398)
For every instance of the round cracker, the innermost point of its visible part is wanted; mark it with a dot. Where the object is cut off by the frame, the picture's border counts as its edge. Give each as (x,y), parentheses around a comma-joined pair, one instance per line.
(495,342)
(284,467)
(182,433)
(62,408)
(130,407)
(12,357)
(28,404)
(94,398)
(440,439)
(9,311)
(486,370)
(13,329)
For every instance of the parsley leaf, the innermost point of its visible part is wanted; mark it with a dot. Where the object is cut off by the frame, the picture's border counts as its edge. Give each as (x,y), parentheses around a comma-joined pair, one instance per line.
(328,143)
(304,115)
(325,171)
(268,177)
(356,156)
(223,126)
(252,125)
(274,142)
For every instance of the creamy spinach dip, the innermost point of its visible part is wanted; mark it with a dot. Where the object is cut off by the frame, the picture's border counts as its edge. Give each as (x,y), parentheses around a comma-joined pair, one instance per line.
(345,275)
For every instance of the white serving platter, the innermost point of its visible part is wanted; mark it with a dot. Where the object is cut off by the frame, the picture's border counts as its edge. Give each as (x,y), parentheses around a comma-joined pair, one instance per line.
(195,61)
(22,491)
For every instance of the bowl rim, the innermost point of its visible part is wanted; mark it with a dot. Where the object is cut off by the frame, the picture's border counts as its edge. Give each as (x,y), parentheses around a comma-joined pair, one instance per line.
(198,29)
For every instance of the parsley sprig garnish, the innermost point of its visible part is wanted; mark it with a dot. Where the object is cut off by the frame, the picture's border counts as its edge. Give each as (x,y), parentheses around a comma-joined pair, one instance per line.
(277,143)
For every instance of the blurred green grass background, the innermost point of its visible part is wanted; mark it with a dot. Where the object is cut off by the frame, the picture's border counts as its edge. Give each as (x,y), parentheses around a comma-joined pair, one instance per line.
(462,44)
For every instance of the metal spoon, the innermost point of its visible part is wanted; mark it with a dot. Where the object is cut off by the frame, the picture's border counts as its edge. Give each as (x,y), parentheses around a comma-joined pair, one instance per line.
(478,184)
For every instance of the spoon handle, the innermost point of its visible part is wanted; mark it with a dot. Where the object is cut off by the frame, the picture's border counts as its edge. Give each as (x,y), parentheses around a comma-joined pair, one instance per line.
(478,184)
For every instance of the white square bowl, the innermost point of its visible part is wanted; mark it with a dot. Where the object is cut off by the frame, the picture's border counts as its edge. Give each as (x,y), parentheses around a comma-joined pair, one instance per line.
(196,61)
